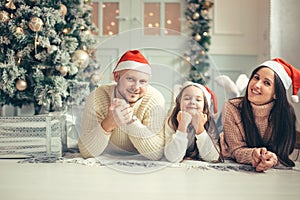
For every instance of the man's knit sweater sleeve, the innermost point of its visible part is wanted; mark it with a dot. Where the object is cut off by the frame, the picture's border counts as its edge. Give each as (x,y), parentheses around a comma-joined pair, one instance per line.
(93,138)
(234,134)
(146,133)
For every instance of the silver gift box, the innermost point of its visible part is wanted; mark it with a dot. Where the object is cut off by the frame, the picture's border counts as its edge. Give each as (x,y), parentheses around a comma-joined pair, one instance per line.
(32,135)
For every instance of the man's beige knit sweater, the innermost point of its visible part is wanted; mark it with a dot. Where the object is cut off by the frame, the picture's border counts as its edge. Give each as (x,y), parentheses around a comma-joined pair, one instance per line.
(144,136)
(234,132)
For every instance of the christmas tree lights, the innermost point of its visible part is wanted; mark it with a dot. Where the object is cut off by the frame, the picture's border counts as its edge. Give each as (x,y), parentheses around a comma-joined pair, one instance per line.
(197,15)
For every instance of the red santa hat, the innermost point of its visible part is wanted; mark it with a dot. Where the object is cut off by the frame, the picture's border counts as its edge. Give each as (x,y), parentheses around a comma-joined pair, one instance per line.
(288,75)
(133,59)
(208,93)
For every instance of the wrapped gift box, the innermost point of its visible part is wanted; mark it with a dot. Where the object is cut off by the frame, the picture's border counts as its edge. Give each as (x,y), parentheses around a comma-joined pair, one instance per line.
(32,135)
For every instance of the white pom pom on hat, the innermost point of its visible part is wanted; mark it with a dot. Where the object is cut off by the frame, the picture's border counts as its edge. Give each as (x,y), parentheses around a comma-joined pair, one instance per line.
(133,59)
(288,74)
(210,96)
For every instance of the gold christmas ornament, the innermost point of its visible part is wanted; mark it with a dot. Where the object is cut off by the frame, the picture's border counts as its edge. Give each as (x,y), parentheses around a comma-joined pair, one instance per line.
(66,30)
(63,10)
(196,15)
(10,5)
(21,85)
(81,59)
(63,70)
(19,30)
(36,24)
(208,4)
(204,12)
(197,37)
(19,55)
(4,16)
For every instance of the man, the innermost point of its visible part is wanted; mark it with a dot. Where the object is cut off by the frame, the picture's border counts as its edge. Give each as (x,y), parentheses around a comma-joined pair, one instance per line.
(127,116)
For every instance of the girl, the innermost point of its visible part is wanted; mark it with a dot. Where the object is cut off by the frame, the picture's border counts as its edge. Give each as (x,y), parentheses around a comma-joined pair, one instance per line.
(260,128)
(185,129)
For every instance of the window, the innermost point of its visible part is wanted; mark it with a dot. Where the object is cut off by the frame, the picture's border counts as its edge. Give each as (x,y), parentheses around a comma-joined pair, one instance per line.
(158,18)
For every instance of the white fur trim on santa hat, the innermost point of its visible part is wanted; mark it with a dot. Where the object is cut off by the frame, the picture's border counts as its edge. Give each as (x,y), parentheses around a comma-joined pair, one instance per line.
(142,67)
(280,71)
(204,90)
(295,98)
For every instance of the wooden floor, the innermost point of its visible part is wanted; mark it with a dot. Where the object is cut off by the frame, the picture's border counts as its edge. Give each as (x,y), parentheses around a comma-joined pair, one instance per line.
(55,181)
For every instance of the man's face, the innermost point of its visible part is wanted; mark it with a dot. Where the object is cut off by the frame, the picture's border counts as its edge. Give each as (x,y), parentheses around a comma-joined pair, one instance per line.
(131,85)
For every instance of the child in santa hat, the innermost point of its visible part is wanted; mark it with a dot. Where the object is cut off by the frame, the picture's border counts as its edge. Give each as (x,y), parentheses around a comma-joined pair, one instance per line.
(126,116)
(186,129)
(260,127)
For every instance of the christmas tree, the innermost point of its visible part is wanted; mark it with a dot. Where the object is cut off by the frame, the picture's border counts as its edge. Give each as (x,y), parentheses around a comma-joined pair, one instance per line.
(197,16)
(46,48)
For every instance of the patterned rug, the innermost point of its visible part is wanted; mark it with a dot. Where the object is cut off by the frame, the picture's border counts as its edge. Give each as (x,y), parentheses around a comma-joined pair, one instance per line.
(137,164)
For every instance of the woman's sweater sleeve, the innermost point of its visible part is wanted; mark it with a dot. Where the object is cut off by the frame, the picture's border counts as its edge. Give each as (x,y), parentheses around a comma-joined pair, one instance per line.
(234,134)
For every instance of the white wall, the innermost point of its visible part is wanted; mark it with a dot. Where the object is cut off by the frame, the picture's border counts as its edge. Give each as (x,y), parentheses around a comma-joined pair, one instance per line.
(285,39)
(240,38)
(273,32)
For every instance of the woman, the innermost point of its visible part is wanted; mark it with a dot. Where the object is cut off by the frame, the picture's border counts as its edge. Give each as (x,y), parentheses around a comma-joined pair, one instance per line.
(260,128)
(186,128)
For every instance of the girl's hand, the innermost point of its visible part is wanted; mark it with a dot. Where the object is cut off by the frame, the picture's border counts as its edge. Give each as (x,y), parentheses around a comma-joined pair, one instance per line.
(184,119)
(198,121)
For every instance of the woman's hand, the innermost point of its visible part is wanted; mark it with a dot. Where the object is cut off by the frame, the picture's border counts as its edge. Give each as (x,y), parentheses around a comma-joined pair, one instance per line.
(262,159)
